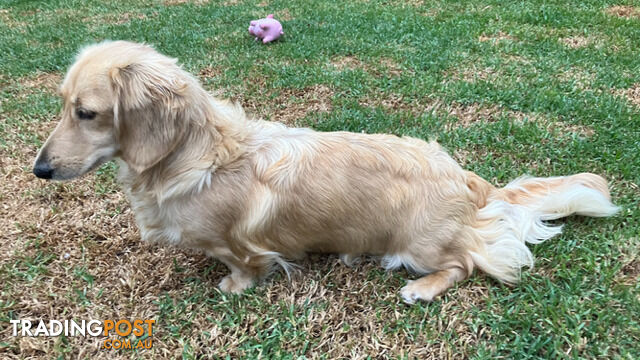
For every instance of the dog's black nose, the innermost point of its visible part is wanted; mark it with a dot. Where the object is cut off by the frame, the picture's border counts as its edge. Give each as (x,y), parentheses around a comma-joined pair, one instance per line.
(43,170)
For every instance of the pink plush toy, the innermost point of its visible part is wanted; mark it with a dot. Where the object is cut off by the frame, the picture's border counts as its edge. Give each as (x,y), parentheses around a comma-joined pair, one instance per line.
(267,29)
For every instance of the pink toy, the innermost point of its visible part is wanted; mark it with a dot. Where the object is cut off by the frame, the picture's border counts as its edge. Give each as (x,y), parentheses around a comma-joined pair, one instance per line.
(267,29)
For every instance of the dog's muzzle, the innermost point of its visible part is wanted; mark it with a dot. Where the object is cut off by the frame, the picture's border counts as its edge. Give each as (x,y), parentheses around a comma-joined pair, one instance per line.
(43,169)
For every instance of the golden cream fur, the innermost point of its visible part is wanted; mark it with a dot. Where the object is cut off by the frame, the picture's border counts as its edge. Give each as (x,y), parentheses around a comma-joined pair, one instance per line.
(255,194)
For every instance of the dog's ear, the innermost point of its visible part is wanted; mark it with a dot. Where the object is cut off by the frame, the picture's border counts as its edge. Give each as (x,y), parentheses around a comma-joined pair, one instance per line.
(148,113)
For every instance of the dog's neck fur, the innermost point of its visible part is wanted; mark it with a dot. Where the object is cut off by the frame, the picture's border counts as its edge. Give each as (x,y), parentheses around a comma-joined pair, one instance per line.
(214,139)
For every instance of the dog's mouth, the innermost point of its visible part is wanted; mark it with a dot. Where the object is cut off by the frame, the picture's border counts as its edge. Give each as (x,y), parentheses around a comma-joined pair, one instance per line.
(101,160)
(64,173)
(102,157)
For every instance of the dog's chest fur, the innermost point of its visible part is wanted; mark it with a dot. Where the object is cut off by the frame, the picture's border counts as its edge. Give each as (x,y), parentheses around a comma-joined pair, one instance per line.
(167,219)
(156,223)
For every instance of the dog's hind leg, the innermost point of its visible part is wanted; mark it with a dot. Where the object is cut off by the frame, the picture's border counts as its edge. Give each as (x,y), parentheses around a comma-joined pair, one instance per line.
(428,287)
(236,282)
(244,274)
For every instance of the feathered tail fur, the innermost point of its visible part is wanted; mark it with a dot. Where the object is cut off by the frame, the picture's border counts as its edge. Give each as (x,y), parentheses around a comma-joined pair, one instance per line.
(516,215)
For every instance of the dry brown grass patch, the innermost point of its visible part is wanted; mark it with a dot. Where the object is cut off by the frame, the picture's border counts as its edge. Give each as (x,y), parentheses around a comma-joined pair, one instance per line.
(568,128)
(346,325)
(83,232)
(497,37)
(632,94)
(624,11)
(391,102)
(348,62)
(181,2)
(576,42)
(472,73)
(629,251)
(579,77)
(126,17)
(10,21)
(48,82)
(630,272)
(404,3)
(291,105)
(97,21)
(468,115)
(209,72)
(519,59)
(391,67)
(283,15)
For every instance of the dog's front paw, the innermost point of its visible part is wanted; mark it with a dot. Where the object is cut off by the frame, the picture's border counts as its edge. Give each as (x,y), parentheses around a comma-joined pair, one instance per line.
(414,291)
(235,284)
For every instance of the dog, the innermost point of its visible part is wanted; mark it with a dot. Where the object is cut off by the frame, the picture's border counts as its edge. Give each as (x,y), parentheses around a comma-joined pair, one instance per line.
(257,194)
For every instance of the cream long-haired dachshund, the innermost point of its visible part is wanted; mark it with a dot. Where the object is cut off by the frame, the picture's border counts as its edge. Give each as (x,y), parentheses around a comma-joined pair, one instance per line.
(255,194)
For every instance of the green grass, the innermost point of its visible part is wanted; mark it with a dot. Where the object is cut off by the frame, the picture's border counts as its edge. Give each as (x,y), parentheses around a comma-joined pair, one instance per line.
(558,110)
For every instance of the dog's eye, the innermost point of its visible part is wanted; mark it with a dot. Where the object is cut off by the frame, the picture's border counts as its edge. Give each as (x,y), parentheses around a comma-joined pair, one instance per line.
(85,114)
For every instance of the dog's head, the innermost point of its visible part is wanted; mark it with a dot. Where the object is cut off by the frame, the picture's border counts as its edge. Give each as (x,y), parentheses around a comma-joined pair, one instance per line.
(121,99)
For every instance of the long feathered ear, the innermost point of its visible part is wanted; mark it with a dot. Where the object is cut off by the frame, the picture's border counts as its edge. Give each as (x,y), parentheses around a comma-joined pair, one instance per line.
(149,111)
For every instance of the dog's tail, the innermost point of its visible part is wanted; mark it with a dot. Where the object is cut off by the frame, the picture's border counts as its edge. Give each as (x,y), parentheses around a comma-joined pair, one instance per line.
(510,217)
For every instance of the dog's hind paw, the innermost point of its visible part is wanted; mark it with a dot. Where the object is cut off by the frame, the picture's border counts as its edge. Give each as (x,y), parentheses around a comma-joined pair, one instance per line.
(413,292)
(235,284)
(428,287)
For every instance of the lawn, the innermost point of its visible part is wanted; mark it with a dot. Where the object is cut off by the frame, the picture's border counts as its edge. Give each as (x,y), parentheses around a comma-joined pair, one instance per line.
(539,87)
